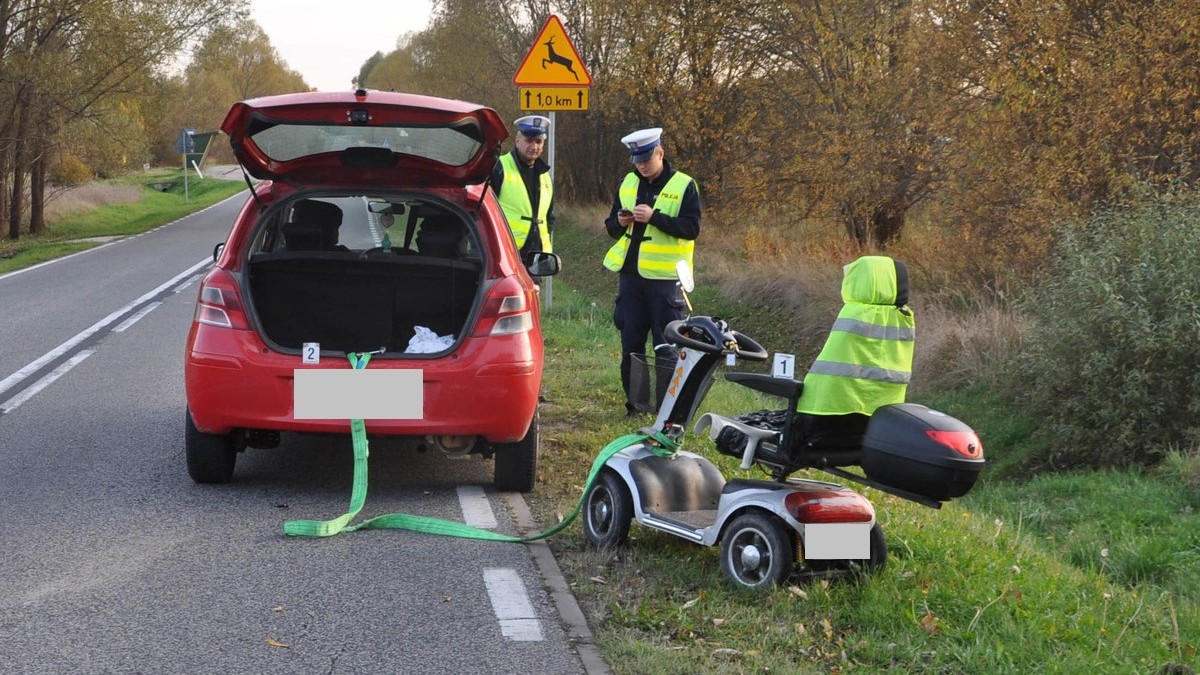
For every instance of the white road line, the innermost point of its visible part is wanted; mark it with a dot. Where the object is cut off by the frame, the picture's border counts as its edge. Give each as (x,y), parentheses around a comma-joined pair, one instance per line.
(477,511)
(22,374)
(511,605)
(182,287)
(374,229)
(120,328)
(12,403)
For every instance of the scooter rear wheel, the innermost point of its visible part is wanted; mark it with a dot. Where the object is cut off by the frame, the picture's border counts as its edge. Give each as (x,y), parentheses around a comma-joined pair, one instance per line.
(757,551)
(607,511)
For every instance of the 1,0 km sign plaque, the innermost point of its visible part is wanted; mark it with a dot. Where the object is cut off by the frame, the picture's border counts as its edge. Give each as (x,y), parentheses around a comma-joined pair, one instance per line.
(553,98)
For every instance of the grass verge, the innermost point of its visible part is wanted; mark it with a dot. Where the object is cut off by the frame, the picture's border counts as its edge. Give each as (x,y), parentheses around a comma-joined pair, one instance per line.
(67,234)
(1037,576)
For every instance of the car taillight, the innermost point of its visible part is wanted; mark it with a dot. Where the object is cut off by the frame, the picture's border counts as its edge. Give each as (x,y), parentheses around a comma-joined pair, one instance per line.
(219,303)
(505,310)
(965,443)
(828,506)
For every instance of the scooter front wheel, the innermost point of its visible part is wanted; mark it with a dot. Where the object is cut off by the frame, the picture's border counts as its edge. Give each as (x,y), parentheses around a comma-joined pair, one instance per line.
(756,551)
(607,511)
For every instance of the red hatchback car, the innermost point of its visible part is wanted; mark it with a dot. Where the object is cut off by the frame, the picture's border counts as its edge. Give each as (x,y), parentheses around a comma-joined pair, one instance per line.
(374,230)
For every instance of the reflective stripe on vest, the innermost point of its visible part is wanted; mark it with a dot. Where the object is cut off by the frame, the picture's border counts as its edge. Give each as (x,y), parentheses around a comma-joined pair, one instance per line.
(872,331)
(659,252)
(514,201)
(861,372)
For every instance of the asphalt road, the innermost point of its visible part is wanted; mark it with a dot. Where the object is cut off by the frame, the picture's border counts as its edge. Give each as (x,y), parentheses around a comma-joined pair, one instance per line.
(113,561)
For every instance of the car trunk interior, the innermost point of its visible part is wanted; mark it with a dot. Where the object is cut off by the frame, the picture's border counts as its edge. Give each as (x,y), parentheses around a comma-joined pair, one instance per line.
(349,301)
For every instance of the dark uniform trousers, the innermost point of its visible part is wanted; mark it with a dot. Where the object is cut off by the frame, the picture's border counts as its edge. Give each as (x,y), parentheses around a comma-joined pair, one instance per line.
(646,306)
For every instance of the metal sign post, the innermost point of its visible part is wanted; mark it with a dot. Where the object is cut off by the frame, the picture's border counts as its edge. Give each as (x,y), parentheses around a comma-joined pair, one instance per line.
(186,143)
(548,283)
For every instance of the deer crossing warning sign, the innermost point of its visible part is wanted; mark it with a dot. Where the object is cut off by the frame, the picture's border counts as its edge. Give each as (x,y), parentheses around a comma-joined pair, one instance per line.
(552,60)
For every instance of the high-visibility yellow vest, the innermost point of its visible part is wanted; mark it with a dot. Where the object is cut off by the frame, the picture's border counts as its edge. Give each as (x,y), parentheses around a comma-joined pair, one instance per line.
(658,254)
(514,201)
(867,360)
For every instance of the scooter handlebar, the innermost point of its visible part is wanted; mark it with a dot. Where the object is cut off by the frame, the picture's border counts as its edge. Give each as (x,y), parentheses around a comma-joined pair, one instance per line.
(687,333)
(710,336)
(748,348)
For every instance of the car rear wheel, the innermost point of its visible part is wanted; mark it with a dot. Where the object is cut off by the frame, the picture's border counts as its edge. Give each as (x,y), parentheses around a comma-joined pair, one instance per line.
(516,463)
(210,457)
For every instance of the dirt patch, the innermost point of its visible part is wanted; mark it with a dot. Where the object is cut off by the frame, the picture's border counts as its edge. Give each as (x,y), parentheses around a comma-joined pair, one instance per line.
(65,201)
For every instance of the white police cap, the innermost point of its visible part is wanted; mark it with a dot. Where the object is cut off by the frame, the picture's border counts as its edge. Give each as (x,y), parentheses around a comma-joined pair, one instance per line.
(533,126)
(640,143)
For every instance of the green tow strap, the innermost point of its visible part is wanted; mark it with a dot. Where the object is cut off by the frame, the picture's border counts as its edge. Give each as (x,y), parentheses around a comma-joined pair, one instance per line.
(401,521)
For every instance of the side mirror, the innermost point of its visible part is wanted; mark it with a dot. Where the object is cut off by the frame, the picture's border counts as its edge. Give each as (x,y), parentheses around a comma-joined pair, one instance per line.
(686,281)
(217,251)
(542,264)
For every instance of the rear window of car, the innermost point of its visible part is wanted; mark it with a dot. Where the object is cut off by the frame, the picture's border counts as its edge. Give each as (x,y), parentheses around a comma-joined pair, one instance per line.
(445,145)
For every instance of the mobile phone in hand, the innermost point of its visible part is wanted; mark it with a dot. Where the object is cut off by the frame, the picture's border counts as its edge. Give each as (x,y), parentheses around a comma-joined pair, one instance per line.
(624,212)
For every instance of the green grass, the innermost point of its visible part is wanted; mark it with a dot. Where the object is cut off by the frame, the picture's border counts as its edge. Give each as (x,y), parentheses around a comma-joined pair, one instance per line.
(1073,573)
(154,208)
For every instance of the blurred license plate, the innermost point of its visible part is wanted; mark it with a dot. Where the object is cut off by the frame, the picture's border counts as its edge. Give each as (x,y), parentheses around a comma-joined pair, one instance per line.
(358,394)
(837,541)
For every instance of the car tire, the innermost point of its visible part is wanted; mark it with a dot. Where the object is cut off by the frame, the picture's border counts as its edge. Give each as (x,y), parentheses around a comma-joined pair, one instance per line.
(607,511)
(516,463)
(210,457)
(757,551)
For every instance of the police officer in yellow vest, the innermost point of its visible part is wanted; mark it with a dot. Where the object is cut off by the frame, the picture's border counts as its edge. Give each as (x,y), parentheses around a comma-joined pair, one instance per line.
(522,183)
(655,220)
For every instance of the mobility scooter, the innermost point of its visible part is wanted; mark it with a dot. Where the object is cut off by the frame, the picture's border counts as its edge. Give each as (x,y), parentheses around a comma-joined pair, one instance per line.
(769,530)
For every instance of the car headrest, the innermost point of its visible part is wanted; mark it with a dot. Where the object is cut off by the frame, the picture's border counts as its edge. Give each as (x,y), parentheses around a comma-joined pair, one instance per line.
(440,235)
(302,236)
(314,226)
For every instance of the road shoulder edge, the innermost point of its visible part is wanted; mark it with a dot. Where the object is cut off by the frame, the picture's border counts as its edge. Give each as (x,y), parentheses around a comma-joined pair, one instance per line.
(568,607)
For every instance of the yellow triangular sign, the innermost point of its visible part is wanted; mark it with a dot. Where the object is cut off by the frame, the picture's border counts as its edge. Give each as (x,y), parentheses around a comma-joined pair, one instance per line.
(552,60)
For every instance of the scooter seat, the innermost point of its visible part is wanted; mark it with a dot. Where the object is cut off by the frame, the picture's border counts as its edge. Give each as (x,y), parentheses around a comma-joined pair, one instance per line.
(830,431)
(812,440)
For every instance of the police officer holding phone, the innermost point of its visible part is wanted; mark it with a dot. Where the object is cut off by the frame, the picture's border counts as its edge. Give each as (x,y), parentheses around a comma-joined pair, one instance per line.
(655,220)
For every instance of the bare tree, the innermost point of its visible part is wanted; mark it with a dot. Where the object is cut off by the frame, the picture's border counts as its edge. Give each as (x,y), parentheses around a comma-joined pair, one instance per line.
(63,59)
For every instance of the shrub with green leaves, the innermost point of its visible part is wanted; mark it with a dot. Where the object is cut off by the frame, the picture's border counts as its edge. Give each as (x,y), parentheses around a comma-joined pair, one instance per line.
(1111,361)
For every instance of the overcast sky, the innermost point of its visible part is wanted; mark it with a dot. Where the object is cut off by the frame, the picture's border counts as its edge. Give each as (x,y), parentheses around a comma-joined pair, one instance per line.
(328,41)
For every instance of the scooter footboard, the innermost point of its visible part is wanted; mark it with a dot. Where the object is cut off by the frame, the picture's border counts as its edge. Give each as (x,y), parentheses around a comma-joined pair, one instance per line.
(684,483)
